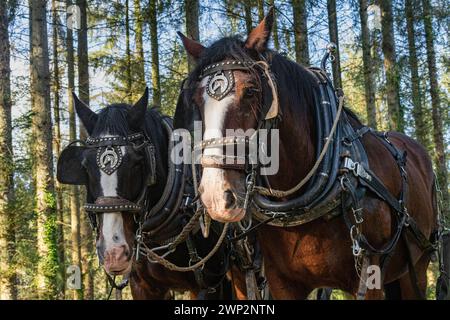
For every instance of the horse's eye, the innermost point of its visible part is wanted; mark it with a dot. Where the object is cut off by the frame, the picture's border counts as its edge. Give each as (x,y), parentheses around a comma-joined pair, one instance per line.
(250,92)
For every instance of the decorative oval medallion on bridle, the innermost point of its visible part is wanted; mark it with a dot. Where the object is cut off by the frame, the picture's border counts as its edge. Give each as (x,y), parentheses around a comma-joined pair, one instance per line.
(220,84)
(109,158)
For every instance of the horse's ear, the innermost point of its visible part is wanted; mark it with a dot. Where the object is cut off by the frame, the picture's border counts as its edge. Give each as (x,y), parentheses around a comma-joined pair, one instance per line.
(259,36)
(192,47)
(136,115)
(87,116)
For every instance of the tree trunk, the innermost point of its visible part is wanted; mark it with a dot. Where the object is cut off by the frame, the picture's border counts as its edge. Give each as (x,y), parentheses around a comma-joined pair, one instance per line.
(74,197)
(333,30)
(418,111)
(87,254)
(301,31)
(57,142)
(140,81)
(85,233)
(129,80)
(230,7)
(83,60)
(153,22)
(45,207)
(191,7)
(260,4)
(438,136)
(248,15)
(276,40)
(369,84)
(8,278)
(396,121)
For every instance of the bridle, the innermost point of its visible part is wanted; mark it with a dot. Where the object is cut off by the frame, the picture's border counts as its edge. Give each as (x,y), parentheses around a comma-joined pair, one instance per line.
(109,158)
(268,119)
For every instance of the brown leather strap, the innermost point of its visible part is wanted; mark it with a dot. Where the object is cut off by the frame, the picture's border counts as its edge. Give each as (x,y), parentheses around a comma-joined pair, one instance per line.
(223,162)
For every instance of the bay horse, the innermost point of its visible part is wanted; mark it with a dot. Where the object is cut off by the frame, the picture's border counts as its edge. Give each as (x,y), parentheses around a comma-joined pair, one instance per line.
(124,165)
(235,85)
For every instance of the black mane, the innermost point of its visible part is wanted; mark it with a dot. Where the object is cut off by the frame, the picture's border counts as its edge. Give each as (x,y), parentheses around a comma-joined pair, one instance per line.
(112,120)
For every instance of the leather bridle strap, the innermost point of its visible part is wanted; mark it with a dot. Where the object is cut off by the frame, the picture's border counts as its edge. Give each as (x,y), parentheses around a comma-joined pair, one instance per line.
(112,204)
(234,162)
(226,65)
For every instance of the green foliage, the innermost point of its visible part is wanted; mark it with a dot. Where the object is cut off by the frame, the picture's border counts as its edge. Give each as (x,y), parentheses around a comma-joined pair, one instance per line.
(50,261)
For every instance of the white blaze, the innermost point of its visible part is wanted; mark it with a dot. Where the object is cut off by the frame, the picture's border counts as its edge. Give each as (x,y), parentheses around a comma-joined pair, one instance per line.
(112,228)
(215,112)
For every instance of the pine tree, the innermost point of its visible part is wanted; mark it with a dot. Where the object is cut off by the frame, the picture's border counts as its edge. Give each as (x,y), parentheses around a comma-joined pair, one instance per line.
(301,31)
(418,109)
(369,83)
(438,135)
(8,289)
(276,40)
(57,142)
(392,88)
(74,196)
(84,231)
(139,61)
(153,22)
(333,32)
(45,206)
(191,8)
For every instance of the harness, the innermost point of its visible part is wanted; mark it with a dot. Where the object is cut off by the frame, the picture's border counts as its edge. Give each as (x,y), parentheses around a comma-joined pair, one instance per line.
(335,185)
(162,225)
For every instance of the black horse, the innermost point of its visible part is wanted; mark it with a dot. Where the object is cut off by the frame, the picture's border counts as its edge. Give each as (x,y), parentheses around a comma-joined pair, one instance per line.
(135,195)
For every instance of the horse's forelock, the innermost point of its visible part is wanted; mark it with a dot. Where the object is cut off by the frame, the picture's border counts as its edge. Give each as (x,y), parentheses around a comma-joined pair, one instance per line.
(112,120)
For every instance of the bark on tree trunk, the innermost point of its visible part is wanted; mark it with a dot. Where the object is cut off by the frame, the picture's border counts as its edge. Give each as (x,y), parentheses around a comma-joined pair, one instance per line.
(140,61)
(85,236)
(418,110)
(276,40)
(73,190)
(191,8)
(260,4)
(333,31)
(57,142)
(8,278)
(369,85)
(129,80)
(396,121)
(438,136)
(83,59)
(231,15)
(248,15)
(301,31)
(45,206)
(153,22)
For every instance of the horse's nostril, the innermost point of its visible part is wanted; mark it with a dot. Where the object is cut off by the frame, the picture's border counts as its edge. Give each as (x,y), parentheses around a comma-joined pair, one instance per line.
(229,199)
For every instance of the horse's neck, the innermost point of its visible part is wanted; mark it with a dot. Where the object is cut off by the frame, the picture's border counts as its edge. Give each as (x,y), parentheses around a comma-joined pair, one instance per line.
(296,149)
